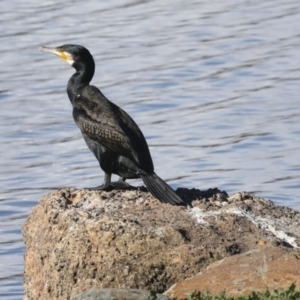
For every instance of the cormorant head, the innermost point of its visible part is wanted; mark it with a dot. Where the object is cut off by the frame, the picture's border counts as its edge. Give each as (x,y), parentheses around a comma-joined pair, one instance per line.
(75,55)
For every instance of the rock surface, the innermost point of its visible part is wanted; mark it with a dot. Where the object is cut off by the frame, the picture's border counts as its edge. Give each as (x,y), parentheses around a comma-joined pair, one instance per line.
(257,269)
(77,240)
(116,294)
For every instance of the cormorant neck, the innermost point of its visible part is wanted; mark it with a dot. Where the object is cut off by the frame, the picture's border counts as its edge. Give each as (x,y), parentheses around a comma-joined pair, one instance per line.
(82,77)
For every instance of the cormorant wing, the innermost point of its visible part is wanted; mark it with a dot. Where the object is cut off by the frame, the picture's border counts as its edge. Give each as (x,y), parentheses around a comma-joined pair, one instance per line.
(108,125)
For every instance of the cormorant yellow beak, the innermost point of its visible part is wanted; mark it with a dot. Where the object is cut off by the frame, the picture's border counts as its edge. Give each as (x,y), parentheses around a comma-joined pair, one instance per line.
(62,54)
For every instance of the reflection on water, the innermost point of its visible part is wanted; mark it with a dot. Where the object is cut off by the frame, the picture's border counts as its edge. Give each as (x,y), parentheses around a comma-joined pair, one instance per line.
(213,85)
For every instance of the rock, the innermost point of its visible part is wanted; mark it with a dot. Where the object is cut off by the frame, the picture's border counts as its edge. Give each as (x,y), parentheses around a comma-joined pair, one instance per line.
(77,240)
(240,274)
(116,294)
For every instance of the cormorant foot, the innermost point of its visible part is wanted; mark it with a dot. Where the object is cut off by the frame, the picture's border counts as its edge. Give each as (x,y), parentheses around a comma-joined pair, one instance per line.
(116,185)
(120,184)
(102,187)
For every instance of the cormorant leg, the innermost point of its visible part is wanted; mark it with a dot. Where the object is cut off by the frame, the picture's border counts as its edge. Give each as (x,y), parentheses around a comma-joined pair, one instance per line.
(106,185)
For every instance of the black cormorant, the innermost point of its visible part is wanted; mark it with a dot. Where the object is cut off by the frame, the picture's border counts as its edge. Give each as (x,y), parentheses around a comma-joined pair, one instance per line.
(110,133)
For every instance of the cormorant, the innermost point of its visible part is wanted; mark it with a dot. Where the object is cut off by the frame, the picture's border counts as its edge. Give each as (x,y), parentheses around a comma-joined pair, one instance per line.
(109,132)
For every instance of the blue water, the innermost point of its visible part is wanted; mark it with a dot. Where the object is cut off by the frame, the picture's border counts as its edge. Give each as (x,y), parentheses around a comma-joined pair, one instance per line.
(214,86)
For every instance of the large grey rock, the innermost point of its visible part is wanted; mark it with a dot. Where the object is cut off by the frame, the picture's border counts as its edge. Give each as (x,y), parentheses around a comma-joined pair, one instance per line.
(77,240)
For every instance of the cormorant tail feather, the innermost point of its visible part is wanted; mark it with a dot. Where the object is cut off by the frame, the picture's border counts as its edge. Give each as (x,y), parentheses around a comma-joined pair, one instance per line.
(160,189)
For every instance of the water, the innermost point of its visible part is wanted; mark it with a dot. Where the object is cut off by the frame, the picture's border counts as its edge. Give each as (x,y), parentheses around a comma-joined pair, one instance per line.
(214,86)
